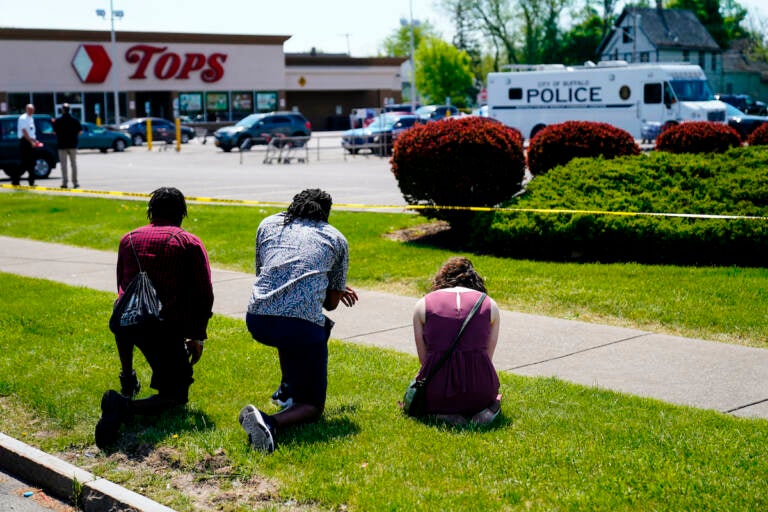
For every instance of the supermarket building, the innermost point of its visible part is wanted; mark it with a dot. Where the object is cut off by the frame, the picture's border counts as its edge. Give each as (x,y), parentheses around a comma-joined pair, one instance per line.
(207,77)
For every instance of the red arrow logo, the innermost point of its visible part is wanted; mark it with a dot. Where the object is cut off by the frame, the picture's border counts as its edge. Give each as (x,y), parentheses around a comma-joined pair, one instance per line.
(91,63)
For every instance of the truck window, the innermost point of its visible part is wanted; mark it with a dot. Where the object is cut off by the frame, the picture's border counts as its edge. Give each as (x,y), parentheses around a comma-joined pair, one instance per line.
(516,93)
(652,93)
(692,90)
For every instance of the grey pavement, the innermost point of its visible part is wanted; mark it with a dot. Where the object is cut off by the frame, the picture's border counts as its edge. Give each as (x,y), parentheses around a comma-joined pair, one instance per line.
(728,378)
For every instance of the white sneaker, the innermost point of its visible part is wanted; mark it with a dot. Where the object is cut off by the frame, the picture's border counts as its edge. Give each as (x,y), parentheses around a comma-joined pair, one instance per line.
(259,434)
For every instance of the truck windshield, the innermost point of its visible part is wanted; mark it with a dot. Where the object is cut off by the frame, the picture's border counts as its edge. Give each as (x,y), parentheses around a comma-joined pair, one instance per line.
(692,90)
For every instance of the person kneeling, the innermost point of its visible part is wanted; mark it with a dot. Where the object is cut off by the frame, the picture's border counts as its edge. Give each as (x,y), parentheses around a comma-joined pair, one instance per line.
(465,388)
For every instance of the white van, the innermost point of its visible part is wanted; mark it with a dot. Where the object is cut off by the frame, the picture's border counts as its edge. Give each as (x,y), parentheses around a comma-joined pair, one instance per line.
(628,96)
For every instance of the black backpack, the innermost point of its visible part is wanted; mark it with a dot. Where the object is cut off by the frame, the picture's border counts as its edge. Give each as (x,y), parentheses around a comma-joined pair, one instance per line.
(139,307)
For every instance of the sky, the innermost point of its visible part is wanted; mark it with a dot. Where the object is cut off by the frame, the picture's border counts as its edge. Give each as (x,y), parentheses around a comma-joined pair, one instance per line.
(357,27)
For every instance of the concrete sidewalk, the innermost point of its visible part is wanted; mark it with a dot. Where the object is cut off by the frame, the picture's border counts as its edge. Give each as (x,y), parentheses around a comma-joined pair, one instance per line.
(699,373)
(728,378)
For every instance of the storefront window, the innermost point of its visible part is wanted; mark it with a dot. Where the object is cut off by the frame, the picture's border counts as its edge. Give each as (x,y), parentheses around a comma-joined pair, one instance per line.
(217,105)
(73,98)
(43,102)
(242,101)
(17,102)
(266,101)
(191,103)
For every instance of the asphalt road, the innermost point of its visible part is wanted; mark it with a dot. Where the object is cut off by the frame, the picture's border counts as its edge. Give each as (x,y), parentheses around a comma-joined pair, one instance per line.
(13,499)
(202,170)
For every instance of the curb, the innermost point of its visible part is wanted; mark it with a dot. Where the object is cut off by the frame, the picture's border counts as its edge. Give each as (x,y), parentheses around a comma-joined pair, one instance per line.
(59,479)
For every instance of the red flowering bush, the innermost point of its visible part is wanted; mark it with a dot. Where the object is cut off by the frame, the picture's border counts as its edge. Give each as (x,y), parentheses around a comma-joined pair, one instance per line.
(759,137)
(462,161)
(558,144)
(698,137)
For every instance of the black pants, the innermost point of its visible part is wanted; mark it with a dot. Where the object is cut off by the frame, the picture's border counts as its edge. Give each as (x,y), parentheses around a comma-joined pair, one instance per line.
(27,162)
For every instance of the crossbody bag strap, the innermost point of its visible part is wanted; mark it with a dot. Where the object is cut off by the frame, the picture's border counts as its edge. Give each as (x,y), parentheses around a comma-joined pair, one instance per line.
(455,341)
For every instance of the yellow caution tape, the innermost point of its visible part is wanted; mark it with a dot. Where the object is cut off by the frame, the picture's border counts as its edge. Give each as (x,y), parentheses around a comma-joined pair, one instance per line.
(278,204)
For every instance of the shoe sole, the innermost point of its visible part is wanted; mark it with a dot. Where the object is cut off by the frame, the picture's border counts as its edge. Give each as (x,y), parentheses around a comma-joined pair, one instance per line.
(258,433)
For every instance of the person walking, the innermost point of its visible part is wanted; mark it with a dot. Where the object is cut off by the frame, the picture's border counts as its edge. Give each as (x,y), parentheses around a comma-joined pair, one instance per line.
(301,268)
(177,263)
(67,130)
(27,144)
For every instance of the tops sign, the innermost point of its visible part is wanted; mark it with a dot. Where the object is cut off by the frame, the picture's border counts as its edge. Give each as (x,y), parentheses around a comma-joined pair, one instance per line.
(169,65)
(92,63)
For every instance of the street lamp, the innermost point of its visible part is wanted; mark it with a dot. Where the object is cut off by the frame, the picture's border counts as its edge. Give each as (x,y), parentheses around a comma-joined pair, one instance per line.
(112,15)
(411,24)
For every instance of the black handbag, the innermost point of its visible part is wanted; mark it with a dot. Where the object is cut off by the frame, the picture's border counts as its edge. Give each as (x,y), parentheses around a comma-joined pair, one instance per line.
(139,307)
(415,398)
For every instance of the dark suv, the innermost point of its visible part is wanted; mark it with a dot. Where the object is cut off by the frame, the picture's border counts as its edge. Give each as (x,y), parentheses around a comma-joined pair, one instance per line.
(46,157)
(745,103)
(260,128)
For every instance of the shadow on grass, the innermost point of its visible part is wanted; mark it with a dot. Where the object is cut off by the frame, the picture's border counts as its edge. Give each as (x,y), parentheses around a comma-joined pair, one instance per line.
(501,422)
(321,431)
(140,434)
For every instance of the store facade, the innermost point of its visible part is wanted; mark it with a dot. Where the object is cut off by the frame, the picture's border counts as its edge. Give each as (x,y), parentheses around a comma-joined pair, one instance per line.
(213,78)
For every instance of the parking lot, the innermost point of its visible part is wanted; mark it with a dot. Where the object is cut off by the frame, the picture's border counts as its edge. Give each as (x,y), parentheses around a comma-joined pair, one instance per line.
(202,170)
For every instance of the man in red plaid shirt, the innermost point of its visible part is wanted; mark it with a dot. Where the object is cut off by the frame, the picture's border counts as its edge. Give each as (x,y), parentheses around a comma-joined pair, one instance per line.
(177,263)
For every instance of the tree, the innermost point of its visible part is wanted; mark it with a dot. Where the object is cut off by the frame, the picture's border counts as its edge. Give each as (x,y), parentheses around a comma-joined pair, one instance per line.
(581,41)
(723,29)
(466,38)
(398,44)
(443,71)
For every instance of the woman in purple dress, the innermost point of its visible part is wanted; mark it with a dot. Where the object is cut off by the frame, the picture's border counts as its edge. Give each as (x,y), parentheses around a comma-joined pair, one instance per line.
(466,388)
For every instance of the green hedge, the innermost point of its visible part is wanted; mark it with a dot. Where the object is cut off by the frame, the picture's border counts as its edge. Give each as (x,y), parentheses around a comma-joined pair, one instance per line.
(733,183)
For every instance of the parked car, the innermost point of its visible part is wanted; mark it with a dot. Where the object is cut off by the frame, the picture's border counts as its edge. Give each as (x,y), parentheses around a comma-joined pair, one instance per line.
(745,103)
(743,123)
(261,128)
(378,136)
(162,130)
(99,137)
(46,157)
(436,112)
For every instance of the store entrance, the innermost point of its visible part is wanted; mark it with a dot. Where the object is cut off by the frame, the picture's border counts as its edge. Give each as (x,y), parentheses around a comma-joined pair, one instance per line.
(154,104)
(76,110)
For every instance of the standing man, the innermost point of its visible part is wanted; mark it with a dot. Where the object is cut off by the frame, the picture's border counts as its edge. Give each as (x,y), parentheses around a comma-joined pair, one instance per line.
(67,130)
(301,268)
(27,144)
(177,264)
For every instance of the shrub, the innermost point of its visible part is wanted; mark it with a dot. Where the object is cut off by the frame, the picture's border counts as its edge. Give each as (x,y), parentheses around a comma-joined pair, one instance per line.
(558,144)
(464,161)
(730,184)
(759,137)
(698,137)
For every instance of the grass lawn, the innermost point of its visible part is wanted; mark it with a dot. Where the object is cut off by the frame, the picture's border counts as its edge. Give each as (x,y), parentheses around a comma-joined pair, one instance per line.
(728,304)
(556,446)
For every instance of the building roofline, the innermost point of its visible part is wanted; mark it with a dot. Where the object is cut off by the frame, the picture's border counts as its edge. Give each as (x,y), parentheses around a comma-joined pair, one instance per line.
(36,34)
(337,59)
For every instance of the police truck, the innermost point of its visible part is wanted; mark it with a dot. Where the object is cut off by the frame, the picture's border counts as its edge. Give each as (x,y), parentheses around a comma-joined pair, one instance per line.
(634,97)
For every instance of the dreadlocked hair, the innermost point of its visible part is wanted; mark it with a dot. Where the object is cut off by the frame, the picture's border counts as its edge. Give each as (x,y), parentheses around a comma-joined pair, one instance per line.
(310,204)
(167,204)
(458,271)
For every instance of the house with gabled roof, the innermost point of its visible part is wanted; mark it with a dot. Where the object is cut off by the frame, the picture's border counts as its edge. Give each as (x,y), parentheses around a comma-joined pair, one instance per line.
(662,35)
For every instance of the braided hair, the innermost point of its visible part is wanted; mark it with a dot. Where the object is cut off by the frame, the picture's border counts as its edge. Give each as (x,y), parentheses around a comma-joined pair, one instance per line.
(167,204)
(311,204)
(458,271)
